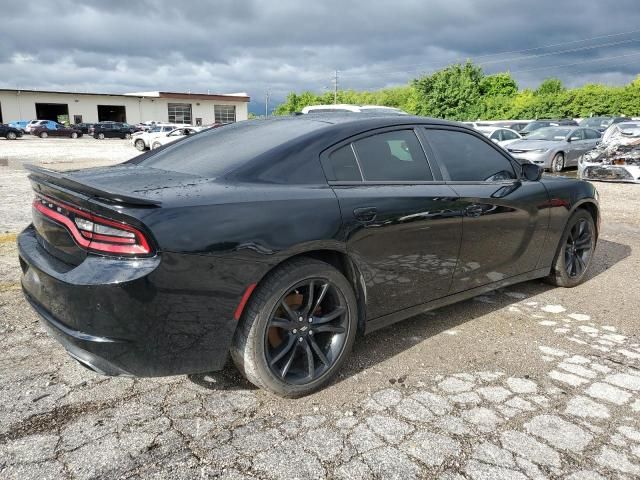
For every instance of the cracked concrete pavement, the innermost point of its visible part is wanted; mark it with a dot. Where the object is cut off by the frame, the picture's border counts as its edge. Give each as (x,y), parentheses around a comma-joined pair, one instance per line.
(528,382)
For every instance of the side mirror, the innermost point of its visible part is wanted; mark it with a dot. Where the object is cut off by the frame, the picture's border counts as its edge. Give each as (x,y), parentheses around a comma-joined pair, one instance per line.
(531,172)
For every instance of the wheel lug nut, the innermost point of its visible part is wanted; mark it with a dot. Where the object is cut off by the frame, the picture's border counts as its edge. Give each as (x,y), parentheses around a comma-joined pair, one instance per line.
(310,319)
(295,331)
(310,332)
(300,319)
(300,339)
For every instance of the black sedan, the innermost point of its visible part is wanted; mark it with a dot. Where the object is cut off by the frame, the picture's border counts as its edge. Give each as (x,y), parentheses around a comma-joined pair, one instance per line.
(10,133)
(281,240)
(104,130)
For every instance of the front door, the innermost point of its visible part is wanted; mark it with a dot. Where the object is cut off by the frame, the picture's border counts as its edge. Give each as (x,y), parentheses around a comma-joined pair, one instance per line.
(401,226)
(504,221)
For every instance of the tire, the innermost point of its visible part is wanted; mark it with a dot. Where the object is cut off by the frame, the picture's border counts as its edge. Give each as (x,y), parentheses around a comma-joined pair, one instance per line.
(571,261)
(262,347)
(557,163)
(101,136)
(155,145)
(44,134)
(73,135)
(11,135)
(139,144)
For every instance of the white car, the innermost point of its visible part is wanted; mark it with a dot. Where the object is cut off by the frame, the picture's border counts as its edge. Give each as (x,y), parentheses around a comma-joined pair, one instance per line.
(33,124)
(142,140)
(499,135)
(343,107)
(173,135)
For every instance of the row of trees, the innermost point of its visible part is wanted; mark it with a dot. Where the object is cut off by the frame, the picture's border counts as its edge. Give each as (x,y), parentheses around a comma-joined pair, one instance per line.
(464,92)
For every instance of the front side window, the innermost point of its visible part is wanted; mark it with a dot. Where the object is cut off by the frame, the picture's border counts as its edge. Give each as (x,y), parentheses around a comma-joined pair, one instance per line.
(509,135)
(180,113)
(224,113)
(591,134)
(392,156)
(466,158)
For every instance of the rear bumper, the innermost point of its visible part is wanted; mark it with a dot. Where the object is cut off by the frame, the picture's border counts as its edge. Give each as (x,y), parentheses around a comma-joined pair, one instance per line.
(142,317)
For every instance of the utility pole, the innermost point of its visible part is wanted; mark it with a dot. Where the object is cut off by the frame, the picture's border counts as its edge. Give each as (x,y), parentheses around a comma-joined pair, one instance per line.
(266,103)
(335,87)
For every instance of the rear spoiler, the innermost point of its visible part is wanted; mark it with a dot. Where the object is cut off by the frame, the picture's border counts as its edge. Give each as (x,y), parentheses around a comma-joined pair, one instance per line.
(62,180)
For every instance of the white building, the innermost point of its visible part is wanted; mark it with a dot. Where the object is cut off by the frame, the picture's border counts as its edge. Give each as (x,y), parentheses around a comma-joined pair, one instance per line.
(188,108)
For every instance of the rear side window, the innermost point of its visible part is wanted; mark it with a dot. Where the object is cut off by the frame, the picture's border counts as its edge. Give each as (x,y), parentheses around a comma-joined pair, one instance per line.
(343,163)
(467,158)
(392,156)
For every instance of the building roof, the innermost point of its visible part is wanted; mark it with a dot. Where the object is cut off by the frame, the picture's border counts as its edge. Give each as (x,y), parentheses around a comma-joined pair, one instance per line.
(237,97)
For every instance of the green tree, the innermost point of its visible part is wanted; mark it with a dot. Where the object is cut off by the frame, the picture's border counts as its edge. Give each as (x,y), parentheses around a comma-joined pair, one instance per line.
(453,92)
(550,86)
(498,84)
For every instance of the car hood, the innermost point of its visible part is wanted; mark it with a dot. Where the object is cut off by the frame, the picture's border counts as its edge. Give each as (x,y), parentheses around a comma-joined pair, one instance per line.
(528,145)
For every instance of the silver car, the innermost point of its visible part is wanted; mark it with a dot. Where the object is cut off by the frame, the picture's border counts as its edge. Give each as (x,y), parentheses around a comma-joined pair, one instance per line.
(555,148)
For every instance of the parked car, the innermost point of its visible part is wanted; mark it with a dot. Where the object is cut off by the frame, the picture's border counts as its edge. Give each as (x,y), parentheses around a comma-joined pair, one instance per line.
(536,124)
(102,130)
(478,125)
(19,124)
(555,148)
(352,108)
(173,135)
(617,158)
(513,125)
(9,132)
(53,129)
(501,136)
(142,140)
(280,240)
(602,123)
(32,123)
(84,127)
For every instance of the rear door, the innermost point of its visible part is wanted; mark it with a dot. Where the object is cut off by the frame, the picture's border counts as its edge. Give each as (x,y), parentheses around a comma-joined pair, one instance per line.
(504,221)
(401,223)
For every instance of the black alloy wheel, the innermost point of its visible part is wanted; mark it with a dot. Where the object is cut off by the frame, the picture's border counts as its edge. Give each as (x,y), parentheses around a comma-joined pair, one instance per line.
(307,331)
(577,250)
(297,329)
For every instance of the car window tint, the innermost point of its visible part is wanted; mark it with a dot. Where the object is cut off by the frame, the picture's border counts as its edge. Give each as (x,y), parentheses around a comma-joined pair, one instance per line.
(467,158)
(591,134)
(343,163)
(495,135)
(508,135)
(392,156)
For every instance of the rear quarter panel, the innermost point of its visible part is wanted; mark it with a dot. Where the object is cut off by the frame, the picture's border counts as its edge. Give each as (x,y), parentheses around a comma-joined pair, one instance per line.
(565,196)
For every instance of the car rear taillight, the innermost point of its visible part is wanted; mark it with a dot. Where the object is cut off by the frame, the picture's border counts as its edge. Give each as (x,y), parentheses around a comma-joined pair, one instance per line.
(93,232)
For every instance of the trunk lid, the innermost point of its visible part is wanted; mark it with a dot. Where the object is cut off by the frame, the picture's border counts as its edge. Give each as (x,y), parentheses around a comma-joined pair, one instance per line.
(105,192)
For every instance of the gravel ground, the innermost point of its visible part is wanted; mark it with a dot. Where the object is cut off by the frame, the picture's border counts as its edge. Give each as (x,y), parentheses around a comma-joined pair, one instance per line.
(525,383)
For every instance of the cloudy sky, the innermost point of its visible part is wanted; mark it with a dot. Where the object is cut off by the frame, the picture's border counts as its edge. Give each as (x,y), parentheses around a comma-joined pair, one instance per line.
(254,46)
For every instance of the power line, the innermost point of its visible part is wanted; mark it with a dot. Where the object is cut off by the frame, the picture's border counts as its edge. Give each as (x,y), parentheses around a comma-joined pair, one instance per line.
(512,59)
(575,63)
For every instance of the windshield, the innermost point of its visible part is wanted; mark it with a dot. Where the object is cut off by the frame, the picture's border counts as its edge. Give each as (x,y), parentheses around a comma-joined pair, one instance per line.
(156,129)
(534,126)
(214,152)
(550,133)
(595,122)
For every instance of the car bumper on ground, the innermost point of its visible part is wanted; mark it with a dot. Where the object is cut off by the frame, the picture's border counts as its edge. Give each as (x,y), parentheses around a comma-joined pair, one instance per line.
(609,173)
(126,316)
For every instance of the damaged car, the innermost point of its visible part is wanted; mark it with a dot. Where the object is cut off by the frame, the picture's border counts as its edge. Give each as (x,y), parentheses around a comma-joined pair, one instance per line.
(617,158)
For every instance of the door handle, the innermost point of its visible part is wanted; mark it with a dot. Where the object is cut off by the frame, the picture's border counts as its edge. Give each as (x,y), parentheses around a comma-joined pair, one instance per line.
(365,214)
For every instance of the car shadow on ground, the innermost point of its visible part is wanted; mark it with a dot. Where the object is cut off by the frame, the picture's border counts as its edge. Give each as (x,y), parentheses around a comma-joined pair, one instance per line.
(393,340)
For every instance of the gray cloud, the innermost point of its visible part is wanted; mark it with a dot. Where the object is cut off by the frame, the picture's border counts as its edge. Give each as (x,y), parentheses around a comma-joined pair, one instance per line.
(230,46)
